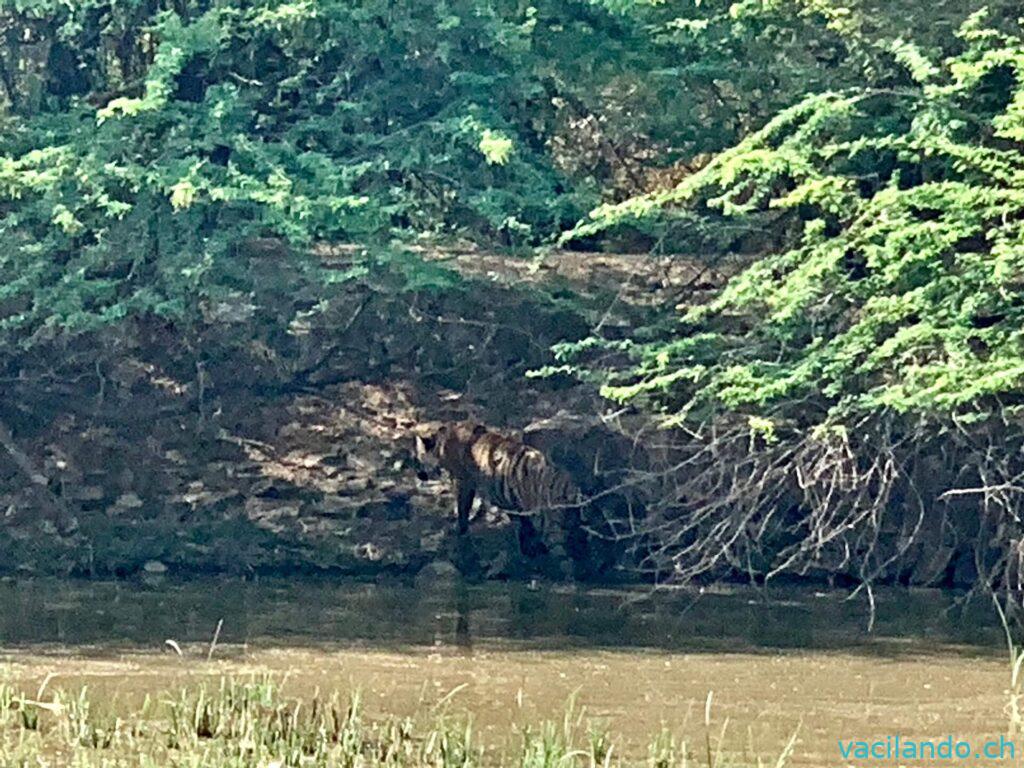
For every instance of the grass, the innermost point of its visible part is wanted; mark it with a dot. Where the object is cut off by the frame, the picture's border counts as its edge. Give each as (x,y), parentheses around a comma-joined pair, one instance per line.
(249,722)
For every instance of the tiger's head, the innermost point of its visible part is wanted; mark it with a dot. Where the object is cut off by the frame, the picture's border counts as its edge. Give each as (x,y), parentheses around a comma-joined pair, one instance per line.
(428,452)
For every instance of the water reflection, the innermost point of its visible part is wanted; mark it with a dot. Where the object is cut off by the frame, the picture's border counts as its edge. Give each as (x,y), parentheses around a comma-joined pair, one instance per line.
(325,613)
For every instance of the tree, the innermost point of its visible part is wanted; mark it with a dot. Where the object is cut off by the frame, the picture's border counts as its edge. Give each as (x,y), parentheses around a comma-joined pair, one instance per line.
(854,387)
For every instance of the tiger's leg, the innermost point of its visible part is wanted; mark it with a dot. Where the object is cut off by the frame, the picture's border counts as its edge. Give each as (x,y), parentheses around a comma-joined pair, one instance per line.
(464,495)
(531,544)
(466,559)
(558,524)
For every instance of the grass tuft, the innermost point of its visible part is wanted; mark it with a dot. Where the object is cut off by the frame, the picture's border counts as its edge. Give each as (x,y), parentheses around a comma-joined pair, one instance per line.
(250,723)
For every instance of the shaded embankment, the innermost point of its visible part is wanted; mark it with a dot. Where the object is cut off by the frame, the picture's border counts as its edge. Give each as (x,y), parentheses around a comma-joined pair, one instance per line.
(274,434)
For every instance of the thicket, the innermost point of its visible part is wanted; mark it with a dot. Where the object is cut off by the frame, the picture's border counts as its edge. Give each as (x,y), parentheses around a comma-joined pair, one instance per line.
(853,394)
(142,140)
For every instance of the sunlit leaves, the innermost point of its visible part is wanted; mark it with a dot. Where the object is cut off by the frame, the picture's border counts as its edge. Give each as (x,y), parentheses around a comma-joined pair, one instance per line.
(495,147)
(182,195)
(905,291)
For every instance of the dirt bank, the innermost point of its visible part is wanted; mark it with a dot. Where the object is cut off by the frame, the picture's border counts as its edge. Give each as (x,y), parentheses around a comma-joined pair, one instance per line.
(274,436)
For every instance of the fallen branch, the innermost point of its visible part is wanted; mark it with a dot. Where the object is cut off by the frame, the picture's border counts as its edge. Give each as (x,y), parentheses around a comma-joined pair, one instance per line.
(53,504)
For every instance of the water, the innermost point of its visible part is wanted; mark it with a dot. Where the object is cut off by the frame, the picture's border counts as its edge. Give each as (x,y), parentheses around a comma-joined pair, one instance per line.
(777,662)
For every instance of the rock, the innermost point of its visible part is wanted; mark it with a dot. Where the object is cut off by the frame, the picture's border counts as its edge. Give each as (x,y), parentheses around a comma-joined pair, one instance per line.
(336,506)
(270,509)
(85,493)
(67,526)
(154,567)
(437,573)
(356,485)
(431,543)
(302,459)
(128,501)
(500,565)
(385,508)
(175,457)
(369,551)
(235,309)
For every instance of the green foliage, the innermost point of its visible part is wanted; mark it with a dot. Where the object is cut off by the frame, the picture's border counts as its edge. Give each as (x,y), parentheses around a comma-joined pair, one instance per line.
(899,287)
(142,142)
(724,69)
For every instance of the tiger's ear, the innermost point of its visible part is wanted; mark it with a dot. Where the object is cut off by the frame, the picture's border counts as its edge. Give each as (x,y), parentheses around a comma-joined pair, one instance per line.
(425,445)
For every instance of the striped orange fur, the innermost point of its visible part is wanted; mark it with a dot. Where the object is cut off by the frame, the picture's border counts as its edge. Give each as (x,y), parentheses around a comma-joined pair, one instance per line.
(500,469)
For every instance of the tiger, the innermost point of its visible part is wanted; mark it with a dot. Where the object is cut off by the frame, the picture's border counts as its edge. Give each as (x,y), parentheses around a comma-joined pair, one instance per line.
(505,472)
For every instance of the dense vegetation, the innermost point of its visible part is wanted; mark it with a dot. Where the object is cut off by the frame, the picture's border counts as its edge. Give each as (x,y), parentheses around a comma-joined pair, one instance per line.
(848,399)
(143,140)
(865,367)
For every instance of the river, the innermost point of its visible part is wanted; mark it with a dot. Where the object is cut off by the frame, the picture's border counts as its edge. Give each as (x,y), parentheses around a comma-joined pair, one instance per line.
(775,662)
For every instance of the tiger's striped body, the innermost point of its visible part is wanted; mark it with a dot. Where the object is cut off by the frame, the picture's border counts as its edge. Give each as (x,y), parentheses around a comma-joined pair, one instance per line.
(503,471)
